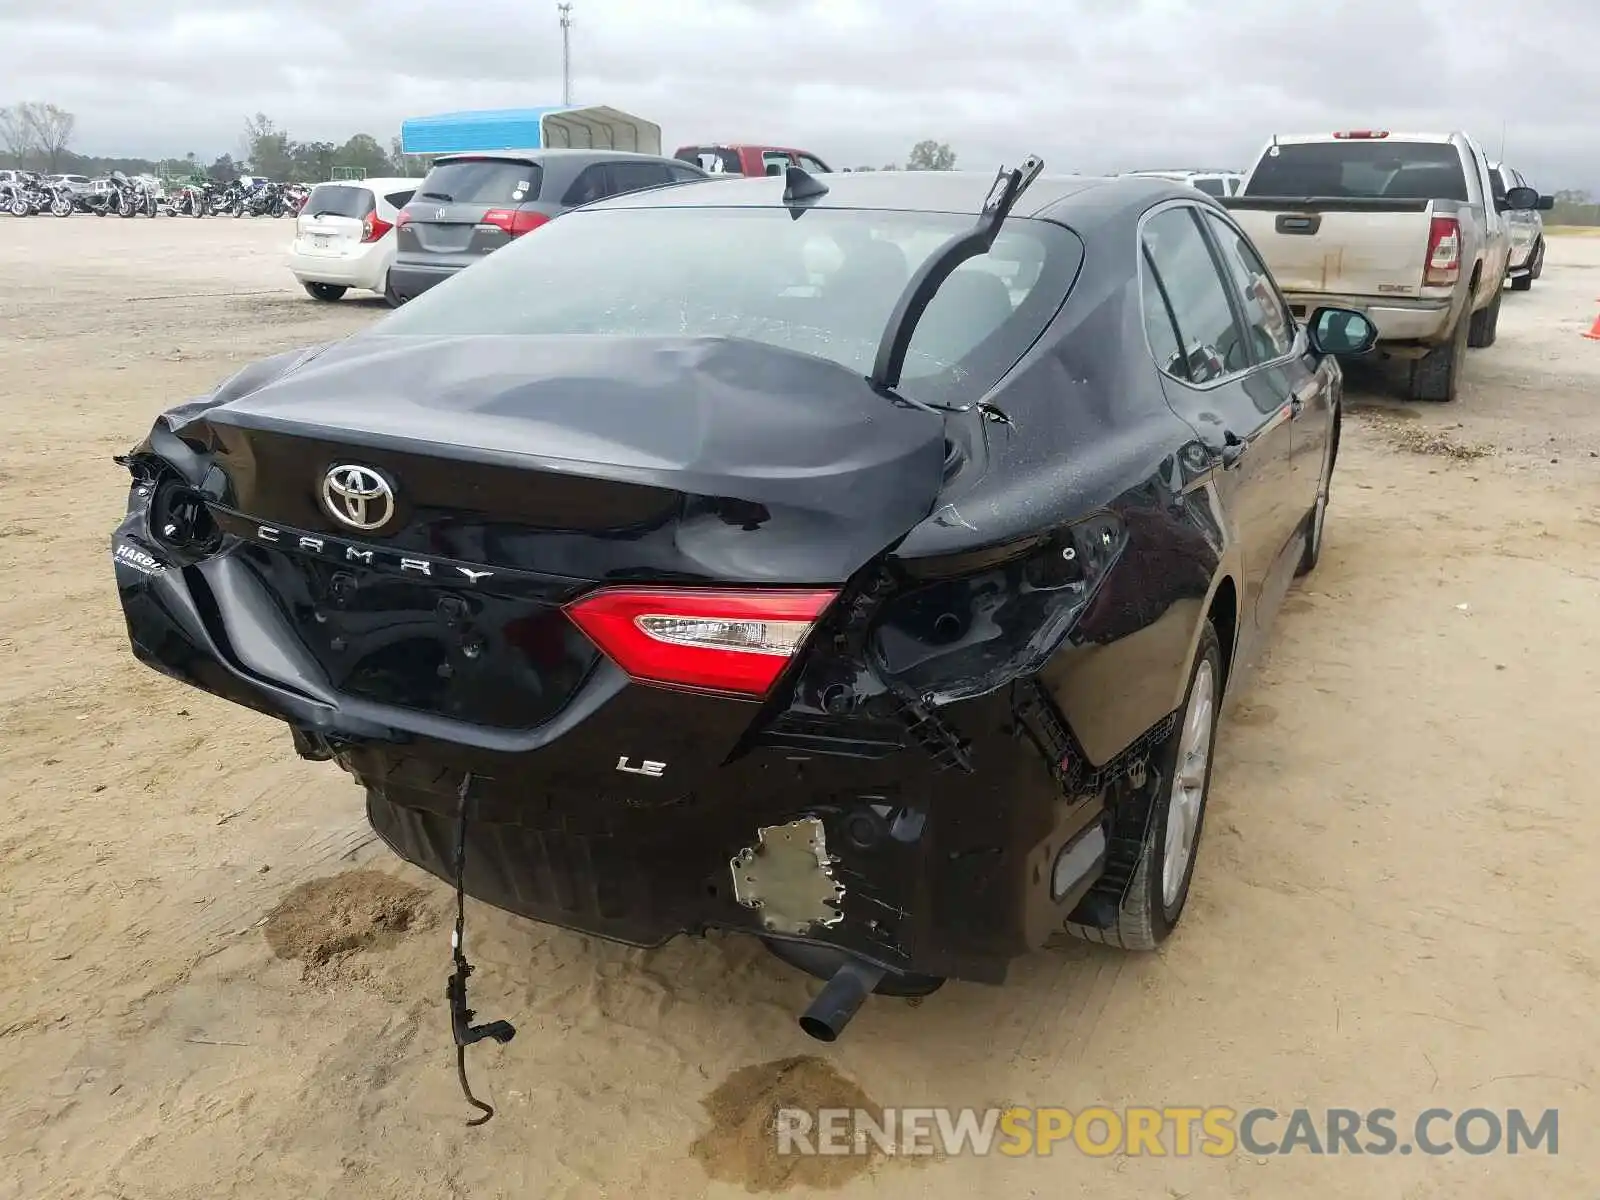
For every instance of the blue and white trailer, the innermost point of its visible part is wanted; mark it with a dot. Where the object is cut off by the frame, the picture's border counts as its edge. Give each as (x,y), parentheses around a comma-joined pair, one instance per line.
(593,127)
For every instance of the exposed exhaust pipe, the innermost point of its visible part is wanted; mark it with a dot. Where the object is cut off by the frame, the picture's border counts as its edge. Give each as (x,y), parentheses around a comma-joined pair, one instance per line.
(840,999)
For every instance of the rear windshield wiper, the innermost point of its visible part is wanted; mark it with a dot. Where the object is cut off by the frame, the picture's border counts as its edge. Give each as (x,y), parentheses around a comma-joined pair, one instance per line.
(445,196)
(940,265)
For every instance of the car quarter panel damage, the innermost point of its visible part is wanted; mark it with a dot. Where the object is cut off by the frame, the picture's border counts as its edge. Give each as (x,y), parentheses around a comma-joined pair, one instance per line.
(954,754)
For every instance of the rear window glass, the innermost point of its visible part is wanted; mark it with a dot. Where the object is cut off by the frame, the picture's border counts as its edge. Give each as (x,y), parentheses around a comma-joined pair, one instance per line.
(713,160)
(398,199)
(482,181)
(824,285)
(339,200)
(1210,185)
(1377,169)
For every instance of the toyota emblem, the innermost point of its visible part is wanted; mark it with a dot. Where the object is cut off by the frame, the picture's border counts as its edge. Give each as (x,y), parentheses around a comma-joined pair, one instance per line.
(357,496)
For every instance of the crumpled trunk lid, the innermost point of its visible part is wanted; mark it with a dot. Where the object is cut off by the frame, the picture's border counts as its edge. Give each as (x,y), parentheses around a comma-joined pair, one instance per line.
(595,457)
(522,472)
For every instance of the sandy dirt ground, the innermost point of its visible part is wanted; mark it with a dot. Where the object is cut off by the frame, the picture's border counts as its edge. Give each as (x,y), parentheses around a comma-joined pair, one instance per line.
(214,984)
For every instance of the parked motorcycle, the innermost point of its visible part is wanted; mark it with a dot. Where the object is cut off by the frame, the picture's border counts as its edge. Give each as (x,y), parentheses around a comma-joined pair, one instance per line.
(56,198)
(122,196)
(14,198)
(192,200)
(266,199)
(228,201)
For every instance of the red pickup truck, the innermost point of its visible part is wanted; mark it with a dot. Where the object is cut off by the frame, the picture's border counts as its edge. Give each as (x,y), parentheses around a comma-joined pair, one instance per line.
(750,160)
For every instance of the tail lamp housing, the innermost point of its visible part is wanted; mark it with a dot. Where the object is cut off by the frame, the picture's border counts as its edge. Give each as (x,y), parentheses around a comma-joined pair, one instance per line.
(1443,263)
(513,222)
(734,642)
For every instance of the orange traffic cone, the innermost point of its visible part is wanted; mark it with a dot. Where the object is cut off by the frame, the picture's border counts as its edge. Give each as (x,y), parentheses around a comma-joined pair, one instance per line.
(1594,333)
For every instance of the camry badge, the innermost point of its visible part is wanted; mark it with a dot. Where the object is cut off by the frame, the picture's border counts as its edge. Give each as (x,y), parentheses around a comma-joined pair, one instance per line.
(357,496)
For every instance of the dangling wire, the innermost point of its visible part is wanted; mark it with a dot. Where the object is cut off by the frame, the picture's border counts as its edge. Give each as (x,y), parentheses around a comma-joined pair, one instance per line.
(465,1032)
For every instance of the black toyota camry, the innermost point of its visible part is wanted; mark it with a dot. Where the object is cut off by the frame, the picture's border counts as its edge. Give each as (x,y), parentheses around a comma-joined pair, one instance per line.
(856,563)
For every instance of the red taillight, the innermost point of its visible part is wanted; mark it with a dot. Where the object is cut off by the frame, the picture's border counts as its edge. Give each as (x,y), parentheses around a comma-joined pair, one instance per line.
(1362,134)
(374,227)
(1444,253)
(402,219)
(514,222)
(701,639)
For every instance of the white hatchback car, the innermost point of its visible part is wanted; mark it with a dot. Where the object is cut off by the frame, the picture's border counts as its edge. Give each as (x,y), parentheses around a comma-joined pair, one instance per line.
(344,236)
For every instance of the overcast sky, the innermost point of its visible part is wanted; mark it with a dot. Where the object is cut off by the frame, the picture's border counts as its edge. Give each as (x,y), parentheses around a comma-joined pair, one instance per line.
(1092,85)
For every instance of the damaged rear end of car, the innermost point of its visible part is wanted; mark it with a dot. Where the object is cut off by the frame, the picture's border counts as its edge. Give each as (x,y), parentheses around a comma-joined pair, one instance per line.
(639,596)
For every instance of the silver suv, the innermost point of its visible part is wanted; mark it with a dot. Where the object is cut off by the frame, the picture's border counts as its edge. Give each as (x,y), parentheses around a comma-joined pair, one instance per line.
(472,204)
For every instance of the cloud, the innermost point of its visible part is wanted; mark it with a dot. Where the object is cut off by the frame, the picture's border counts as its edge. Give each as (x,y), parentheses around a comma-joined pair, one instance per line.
(1090,85)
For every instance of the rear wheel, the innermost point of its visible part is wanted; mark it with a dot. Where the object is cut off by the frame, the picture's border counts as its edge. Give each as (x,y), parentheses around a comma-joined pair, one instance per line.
(1437,374)
(19,206)
(1538,262)
(1486,323)
(1182,773)
(325,291)
(393,298)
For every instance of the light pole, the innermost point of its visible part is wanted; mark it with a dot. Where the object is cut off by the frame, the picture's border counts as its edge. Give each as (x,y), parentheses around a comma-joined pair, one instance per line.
(566,53)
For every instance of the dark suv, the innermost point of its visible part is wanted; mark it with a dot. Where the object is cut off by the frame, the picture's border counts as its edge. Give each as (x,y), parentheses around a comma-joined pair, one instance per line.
(472,204)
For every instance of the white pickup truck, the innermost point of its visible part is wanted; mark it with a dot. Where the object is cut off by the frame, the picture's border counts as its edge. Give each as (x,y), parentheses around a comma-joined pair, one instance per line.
(1404,227)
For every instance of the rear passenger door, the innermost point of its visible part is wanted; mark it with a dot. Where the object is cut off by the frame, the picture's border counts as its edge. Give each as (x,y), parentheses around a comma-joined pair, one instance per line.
(1213,379)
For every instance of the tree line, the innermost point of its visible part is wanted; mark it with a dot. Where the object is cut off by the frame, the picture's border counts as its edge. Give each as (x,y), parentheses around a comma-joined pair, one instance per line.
(38,137)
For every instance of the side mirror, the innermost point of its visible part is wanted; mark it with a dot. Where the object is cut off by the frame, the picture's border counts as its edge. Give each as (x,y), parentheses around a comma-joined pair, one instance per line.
(1521,199)
(1546,203)
(1341,331)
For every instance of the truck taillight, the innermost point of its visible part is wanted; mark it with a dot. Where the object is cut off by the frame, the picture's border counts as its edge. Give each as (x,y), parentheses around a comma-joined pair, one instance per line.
(1362,135)
(701,639)
(373,227)
(513,222)
(1444,253)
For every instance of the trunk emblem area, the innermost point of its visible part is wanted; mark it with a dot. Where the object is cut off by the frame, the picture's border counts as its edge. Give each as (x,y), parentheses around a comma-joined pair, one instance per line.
(788,876)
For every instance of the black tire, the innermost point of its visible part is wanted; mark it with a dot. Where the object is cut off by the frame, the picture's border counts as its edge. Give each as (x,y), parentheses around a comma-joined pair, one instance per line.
(391,297)
(1147,916)
(328,292)
(1522,283)
(18,207)
(1538,261)
(1437,374)
(1317,518)
(1485,325)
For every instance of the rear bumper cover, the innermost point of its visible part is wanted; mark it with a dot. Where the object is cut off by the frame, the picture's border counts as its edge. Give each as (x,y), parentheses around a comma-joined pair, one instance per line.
(365,271)
(945,873)
(410,280)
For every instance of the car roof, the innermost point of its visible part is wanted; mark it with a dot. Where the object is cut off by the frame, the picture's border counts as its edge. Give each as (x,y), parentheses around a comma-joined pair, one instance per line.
(554,152)
(383,181)
(1064,198)
(1389,135)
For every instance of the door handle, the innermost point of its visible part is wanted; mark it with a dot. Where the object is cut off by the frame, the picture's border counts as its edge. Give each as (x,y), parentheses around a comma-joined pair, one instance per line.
(1296,406)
